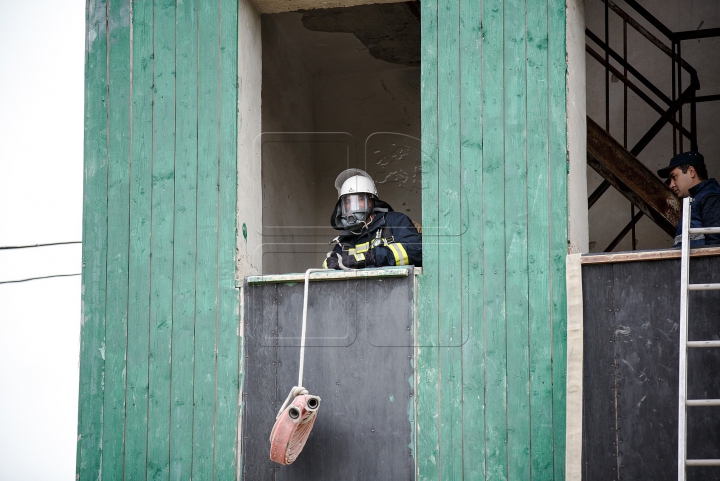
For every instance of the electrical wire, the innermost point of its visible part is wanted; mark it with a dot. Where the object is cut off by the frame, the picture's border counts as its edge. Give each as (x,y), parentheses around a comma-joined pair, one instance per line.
(36,278)
(40,245)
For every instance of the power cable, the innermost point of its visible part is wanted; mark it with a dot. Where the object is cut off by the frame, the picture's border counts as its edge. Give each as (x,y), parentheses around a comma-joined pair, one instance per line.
(36,278)
(40,245)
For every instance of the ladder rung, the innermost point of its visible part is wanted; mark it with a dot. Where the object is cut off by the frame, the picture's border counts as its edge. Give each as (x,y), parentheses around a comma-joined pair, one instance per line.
(705,230)
(702,462)
(702,402)
(704,287)
(703,344)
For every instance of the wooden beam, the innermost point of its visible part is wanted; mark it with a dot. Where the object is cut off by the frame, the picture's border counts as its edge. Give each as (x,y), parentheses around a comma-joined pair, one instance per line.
(653,255)
(632,178)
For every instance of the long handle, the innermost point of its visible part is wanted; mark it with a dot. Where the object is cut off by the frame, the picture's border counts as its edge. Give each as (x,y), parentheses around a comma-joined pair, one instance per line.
(304,324)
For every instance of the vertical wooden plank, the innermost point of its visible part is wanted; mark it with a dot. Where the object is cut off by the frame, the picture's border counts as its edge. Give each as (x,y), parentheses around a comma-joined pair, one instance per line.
(428,316)
(261,377)
(558,221)
(185,242)
(516,218)
(539,314)
(136,422)
(449,234)
(163,200)
(600,383)
(473,366)
(207,232)
(94,248)
(118,237)
(226,437)
(493,198)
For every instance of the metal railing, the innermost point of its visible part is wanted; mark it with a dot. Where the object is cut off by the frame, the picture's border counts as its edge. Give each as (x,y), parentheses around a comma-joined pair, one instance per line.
(668,106)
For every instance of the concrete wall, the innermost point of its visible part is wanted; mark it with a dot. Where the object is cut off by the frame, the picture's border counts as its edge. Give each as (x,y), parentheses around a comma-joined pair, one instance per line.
(327,106)
(288,170)
(576,128)
(612,212)
(249,241)
(381,110)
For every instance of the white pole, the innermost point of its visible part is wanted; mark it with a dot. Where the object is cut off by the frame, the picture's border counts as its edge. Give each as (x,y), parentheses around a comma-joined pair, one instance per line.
(682,378)
(304,324)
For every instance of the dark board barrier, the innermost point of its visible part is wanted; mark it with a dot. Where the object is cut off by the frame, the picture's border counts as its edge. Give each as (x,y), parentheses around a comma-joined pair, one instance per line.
(358,359)
(630,373)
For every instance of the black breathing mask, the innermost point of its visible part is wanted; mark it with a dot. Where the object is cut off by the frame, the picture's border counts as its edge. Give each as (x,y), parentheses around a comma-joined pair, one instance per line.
(356,209)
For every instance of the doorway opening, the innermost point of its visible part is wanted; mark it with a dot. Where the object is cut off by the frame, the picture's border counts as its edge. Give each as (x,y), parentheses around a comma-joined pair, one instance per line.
(653,85)
(340,89)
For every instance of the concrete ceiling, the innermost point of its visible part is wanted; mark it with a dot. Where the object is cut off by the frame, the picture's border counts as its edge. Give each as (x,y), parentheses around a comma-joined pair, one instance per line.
(355,39)
(279,6)
(390,32)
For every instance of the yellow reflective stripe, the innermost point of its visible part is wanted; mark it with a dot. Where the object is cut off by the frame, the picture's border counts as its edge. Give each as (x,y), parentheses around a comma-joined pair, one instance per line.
(364,247)
(405,259)
(351,252)
(360,257)
(399,259)
(324,265)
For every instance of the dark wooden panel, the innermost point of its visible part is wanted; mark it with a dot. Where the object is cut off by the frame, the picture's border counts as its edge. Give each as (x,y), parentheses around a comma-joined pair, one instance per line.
(645,334)
(704,369)
(599,432)
(358,360)
(260,383)
(647,375)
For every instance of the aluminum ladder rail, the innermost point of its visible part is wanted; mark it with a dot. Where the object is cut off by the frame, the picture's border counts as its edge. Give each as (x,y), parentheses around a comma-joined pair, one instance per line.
(685,287)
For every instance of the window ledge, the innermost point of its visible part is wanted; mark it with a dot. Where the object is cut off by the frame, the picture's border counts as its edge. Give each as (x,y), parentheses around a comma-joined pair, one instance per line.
(333,275)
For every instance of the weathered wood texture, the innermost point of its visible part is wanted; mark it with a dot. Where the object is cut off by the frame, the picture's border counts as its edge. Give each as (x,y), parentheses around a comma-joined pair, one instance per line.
(159,347)
(359,360)
(630,378)
(492,319)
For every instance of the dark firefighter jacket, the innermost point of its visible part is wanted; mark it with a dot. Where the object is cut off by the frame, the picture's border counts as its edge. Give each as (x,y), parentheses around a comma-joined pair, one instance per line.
(704,212)
(393,236)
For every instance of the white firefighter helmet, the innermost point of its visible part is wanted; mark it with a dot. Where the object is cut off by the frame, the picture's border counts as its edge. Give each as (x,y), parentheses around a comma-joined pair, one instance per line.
(357,193)
(355,181)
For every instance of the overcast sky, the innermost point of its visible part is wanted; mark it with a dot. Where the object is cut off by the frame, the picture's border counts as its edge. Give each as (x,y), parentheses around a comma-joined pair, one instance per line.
(41,158)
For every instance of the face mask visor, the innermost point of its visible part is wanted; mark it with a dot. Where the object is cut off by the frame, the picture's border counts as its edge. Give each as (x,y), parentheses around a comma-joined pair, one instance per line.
(356,209)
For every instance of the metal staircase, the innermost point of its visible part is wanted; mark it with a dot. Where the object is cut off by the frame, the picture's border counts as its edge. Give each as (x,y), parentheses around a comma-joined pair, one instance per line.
(613,159)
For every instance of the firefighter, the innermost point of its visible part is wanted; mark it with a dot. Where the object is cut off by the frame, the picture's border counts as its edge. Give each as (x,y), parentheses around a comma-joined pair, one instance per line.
(373,235)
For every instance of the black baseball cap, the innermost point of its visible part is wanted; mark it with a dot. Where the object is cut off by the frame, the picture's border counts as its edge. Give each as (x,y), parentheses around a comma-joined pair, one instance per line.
(686,158)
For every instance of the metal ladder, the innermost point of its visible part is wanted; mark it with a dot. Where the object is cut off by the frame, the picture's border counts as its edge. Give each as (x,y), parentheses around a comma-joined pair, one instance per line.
(685,287)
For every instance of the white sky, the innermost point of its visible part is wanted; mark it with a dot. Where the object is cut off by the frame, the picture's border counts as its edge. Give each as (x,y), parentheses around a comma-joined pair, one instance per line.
(41,159)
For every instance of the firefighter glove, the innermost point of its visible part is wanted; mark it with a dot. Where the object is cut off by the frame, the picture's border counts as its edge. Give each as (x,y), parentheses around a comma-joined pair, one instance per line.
(358,261)
(332,261)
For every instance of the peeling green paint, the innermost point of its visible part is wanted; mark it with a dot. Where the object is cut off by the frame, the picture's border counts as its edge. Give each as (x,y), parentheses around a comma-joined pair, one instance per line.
(147,193)
(493,405)
(244,231)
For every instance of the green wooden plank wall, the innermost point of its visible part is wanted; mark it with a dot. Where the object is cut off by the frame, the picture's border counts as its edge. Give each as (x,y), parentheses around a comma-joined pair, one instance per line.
(159,373)
(491,377)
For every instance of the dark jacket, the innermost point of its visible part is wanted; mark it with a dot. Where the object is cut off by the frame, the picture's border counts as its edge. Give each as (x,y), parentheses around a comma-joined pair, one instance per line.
(391,234)
(704,212)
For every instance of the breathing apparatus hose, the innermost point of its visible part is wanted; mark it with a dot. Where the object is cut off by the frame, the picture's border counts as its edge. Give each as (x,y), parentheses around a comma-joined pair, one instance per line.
(340,262)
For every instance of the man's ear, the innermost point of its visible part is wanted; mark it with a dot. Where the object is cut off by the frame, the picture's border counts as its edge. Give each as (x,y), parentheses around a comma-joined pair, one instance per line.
(692,172)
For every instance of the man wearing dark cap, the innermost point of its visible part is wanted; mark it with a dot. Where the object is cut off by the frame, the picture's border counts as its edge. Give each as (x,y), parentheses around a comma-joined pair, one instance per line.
(689,178)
